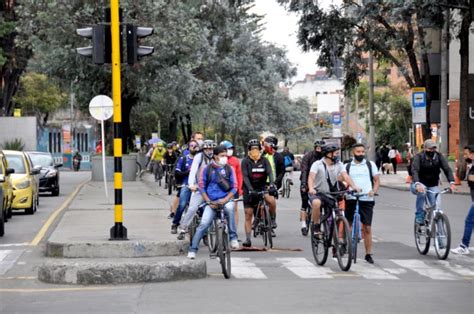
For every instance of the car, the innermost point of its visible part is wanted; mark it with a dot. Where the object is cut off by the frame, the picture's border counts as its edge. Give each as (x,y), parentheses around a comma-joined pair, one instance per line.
(24,180)
(49,175)
(7,187)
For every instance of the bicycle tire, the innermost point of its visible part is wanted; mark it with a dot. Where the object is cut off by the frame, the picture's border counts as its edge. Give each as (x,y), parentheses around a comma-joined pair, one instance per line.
(268,227)
(192,229)
(422,238)
(355,236)
(288,191)
(320,247)
(139,169)
(169,183)
(223,251)
(211,233)
(343,245)
(442,249)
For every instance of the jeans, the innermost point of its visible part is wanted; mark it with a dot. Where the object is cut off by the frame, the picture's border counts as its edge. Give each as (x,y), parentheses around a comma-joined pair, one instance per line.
(468,226)
(420,197)
(194,202)
(184,196)
(207,218)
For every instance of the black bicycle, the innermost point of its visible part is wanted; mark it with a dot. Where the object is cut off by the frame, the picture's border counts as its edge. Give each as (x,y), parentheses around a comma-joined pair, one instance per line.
(262,222)
(170,179)
(335,233)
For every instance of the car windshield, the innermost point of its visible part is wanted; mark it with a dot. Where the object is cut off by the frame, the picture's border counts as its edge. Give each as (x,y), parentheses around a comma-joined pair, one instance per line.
(42,160)
(16,162)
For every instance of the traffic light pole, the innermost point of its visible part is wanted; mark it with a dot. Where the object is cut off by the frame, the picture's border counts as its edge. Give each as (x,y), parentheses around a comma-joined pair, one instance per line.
(118,231)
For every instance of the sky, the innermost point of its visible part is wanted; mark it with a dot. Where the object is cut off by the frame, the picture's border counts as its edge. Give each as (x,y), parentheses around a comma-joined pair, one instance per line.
(281,28)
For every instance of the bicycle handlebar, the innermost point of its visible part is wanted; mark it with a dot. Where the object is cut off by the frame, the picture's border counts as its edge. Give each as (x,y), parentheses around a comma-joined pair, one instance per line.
(443,191)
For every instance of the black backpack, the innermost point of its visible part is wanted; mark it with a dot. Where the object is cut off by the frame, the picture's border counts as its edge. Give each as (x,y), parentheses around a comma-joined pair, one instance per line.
(369,165)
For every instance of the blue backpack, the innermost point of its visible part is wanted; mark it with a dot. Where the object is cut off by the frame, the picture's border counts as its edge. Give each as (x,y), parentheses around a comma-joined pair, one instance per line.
(288,161)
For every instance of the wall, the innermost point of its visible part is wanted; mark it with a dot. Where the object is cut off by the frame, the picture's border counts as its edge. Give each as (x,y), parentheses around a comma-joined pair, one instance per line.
(310,87)
(24,128)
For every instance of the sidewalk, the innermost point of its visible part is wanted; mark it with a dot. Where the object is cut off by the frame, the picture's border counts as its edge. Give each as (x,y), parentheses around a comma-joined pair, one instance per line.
(398,182)
(80,252)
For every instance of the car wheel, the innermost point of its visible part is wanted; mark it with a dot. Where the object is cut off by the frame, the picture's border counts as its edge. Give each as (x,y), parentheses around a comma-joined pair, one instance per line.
(32,209)
(10,212)
(55,192)
(5,212)
(2,224)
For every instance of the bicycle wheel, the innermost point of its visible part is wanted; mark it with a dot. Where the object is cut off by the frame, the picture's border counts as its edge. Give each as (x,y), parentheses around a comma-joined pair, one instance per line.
(320,247)
(288,189)
(169,183)
(442,235)
(422,238)
(139,169)
(342,241)
(223,251)
(268,227)
(192,228)
(355,236)
(211,233)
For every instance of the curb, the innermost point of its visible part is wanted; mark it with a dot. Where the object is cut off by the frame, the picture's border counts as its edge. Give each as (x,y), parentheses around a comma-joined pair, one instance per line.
(120,272)
(116,249)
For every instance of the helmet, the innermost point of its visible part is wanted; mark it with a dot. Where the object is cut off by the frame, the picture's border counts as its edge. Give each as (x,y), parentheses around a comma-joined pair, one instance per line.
(329,148)
(273,141)
(226,144)
(319,143)
(254,142)
(160,144)
(169,146)
(208,144)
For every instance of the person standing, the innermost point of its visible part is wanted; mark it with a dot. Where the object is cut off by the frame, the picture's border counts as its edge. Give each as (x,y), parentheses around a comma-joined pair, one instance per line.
(385,160)
(365,175)
(392,155)
(463,247)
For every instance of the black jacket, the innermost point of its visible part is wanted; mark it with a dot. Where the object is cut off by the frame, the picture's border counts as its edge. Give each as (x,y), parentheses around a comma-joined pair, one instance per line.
(308,160)
(426,170)
(262,170)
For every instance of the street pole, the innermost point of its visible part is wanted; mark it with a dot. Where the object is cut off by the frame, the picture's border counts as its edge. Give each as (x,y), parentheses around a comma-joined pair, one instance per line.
(444,84)
(357,111)
(72,96)
(371,109)
(118,231)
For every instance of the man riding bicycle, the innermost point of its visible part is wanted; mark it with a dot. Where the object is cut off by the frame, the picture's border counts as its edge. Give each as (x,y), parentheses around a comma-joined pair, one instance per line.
(426,168)
(257,176)
(323,178)
(218,185)
(308,159)
(157,158)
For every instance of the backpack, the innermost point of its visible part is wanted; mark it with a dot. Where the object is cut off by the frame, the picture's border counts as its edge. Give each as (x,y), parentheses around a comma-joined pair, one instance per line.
(288,161)
(224,182)
(369,165)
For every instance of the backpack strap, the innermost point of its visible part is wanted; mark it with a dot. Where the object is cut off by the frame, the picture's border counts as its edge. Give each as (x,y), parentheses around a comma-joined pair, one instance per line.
(328,178)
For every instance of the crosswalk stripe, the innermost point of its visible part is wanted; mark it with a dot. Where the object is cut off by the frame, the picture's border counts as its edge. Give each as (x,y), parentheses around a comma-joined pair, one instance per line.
(455,268)
(3,254)
(372,272)
(243,268)
(424,269)
(302,268)
(396,271)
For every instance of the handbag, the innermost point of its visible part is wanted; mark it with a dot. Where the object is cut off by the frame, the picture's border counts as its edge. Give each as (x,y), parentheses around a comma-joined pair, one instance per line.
(398,158)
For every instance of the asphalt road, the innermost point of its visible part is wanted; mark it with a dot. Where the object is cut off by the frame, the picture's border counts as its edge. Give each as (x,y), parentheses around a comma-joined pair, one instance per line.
(282,280)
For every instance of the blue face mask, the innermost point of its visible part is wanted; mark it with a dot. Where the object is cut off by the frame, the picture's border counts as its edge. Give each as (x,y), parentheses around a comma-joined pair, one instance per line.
(335,159)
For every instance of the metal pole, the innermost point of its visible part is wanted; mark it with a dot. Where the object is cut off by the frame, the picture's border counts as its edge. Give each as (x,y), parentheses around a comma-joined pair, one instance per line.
(104,172)
(72,122)
(444,84)
(118,231)
(371,109)
(357,112)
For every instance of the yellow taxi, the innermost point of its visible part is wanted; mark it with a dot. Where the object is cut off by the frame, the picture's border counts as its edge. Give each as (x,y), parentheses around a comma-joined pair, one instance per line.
(6,184)
(24,180)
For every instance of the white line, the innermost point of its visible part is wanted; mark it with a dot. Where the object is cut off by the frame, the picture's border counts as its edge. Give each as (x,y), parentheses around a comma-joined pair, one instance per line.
(302,268)
(3,254)
(371,271)
(458,269)
(396,271)
(461,258)
(242,268)
(14,244)
(424,269)
(8,261)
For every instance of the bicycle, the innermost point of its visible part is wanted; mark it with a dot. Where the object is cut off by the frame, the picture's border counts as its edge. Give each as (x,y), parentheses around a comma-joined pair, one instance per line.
(436,225)
(286,188)
(211,232)
(158,171)
(262,223)
(335,233)
(140,170)
(169,178)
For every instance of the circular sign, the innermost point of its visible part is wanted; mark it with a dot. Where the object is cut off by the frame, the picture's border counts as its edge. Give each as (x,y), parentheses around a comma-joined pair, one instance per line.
(101,107)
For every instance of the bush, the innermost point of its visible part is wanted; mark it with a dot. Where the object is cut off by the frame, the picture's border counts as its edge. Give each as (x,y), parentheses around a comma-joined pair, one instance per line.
(451,158)
(16,144)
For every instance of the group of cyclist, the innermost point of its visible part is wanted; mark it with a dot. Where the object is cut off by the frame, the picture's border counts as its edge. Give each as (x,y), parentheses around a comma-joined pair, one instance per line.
(209,176)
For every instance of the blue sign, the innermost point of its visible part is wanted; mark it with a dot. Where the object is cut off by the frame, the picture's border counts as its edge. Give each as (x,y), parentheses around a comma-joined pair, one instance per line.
(419,99)
(336,118)
(418,102)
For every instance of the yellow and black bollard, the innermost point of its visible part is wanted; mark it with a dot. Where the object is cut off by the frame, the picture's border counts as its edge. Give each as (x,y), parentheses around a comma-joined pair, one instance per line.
(118,231)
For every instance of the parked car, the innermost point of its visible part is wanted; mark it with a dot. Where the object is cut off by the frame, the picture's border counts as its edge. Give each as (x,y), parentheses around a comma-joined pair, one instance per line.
(7,185)
(49,175)
(25,183)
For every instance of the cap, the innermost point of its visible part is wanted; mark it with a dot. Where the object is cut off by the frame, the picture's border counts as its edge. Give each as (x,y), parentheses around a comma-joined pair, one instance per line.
(429,144)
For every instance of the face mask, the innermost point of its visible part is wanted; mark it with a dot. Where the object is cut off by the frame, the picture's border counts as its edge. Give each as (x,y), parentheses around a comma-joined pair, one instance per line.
(430,154)
(468,160)
(230,152)
(268,150)
(335,159)
(222,161)
(318,155)
(254,154)
(208,154)
(359,158)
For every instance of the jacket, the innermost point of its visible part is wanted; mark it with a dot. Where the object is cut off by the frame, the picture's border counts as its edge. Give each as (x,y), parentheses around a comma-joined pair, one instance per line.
(234,162)
(426,170)
(211,187)
(279,168)
(255,174)
(308,160)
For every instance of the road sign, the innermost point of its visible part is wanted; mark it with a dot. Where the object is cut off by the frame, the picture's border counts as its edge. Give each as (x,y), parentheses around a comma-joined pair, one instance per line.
(336,118)
(418,102)
(101,107)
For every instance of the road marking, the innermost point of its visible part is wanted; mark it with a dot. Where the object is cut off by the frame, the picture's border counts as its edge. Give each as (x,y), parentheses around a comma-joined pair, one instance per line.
(372,272)
(14,244)
(302,268)
(19,278)
(424,269)
(396,271)
(458,269)
(68,289)
(55,214)
(4,254)
(243,268)
(8,259)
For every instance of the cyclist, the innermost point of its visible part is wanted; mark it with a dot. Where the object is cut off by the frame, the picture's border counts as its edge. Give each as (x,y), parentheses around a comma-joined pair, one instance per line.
(199,162)
(323,178)
(218,185)
(183,167)
(157,158)
(365,175)
(288,159)
(170,157)
(198,137)
(308,159)
(257,176)
(234,162)
(469,222)
(426,168)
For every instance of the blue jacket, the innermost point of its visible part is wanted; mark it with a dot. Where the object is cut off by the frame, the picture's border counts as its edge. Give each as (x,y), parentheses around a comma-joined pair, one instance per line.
(182,169)
(212,188)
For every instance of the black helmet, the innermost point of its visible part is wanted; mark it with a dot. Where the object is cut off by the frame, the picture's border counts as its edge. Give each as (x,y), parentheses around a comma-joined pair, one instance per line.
(254,142)
(208,144)
(272,140)
(319,143)
(329,148)
(169,146)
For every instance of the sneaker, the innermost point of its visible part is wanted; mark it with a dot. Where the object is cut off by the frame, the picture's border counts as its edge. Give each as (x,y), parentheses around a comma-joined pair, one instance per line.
(174,229)
(317,232)
(369,259)
(247,243)
(461,250)
(181,236)
(274,224)
(420,218)
(273,233)
(171,215)
(191,255)
(234,244)
(304,231)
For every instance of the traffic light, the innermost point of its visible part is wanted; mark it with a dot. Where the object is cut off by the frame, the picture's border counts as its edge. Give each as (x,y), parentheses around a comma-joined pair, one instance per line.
(97,50)
(134,50)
